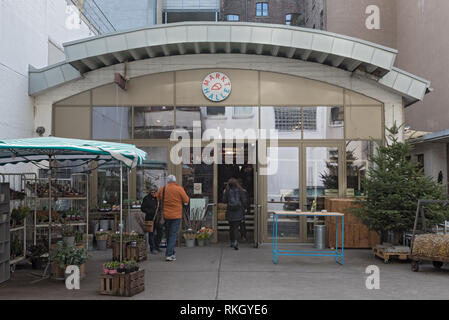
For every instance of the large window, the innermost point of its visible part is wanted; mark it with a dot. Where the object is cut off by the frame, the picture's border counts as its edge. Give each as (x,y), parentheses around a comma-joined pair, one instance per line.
(153,122)
(232,17)
(111,123)
(262,9)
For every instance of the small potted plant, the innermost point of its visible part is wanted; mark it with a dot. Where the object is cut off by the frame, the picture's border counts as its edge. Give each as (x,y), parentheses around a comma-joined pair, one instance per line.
(38,256)
(189,237)
(102,238)
(68,236)
(18,215)
(204,236)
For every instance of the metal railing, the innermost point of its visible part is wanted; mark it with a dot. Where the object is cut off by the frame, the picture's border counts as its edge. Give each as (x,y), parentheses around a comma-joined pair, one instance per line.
(94,16)
(191,4)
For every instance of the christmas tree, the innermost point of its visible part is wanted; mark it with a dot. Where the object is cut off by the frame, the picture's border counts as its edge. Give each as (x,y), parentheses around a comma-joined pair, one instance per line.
(393,186)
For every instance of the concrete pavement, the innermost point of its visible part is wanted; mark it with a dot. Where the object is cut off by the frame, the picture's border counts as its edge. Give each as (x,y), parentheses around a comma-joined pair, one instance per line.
(219,272)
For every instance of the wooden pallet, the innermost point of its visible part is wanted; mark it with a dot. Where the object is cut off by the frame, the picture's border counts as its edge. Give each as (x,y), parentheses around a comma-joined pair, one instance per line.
(123,285)
(383,254)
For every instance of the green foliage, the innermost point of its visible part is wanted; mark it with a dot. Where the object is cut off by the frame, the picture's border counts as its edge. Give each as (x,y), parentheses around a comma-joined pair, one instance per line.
(20,213)
(68,256)
(394,186)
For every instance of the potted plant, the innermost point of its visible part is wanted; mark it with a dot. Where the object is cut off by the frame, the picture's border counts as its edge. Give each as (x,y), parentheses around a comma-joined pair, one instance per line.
(68,235)
(189,237)
(68,256)
(102,238)
(204,234)
(18,215)
(38,255)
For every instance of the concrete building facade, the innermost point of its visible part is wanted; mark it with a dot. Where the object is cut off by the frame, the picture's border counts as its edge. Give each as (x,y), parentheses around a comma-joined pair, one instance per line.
(31,33)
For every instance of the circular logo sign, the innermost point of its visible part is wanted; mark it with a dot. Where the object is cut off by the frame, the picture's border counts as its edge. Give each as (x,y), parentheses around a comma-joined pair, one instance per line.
(217,86)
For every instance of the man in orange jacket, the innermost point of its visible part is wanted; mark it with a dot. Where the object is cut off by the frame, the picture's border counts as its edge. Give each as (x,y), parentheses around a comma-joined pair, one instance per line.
(175,197)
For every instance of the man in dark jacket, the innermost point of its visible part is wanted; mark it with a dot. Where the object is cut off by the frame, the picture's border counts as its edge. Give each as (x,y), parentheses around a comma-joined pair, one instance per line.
(236,199)
(149,207)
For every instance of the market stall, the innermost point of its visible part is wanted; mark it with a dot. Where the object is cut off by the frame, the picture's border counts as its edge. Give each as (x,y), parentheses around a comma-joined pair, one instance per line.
(46,151)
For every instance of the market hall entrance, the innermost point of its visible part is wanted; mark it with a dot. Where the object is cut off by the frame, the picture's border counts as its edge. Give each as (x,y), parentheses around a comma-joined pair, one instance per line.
(205,183)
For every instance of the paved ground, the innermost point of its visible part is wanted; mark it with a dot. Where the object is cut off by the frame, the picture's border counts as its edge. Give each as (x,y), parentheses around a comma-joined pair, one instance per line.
(219,272)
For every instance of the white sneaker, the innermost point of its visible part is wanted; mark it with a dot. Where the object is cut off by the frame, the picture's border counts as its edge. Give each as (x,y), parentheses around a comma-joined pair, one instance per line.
(171,258)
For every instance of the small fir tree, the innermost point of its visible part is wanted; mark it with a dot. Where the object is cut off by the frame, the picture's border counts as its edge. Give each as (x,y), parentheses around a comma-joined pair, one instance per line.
(393,186)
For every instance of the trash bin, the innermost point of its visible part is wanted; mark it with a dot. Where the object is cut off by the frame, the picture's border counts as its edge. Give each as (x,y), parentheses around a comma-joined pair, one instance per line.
(320,236)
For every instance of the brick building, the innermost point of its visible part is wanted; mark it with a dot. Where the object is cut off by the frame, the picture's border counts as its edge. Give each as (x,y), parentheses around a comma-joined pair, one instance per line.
(290,12)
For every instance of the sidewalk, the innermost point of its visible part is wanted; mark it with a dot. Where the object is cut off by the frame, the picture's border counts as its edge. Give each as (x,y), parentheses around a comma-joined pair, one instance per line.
(219,272)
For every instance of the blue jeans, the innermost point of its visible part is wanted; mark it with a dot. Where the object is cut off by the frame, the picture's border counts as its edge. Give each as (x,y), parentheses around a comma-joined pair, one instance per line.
(171,229)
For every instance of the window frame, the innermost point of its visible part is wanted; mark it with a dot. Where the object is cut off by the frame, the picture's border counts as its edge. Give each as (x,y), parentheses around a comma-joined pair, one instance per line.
(263,13)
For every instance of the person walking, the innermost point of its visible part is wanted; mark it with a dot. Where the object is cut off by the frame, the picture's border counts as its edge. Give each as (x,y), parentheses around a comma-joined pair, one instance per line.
(236,199)
(149,207)
(171,199)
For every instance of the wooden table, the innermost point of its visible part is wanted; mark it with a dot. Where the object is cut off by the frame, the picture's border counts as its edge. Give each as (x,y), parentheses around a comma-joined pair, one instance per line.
(337,253)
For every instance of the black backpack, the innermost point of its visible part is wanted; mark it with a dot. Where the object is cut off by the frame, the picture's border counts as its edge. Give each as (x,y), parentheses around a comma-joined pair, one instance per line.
(234,200)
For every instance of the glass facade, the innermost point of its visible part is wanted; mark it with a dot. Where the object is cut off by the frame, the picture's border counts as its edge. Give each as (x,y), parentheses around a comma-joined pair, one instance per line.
(317,156)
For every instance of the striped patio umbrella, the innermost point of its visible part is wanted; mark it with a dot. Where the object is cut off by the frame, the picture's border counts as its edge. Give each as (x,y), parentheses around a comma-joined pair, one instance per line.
(33,150)
(15,151)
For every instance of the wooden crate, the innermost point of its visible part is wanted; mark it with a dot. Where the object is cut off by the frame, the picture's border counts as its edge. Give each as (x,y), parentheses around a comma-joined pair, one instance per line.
(357,235)
(138,253)
(121,284)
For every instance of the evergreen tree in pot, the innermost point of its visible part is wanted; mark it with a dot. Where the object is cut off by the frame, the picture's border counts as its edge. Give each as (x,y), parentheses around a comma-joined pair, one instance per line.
(393,187)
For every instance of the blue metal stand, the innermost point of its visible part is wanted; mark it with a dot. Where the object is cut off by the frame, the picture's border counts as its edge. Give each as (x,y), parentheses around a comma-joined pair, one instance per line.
(338,253)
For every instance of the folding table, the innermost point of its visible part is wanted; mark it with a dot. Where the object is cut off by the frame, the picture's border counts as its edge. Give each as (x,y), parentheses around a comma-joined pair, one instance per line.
(338,253)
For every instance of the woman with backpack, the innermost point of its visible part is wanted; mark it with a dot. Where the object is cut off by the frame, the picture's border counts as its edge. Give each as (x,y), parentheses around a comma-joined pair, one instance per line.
(235,198)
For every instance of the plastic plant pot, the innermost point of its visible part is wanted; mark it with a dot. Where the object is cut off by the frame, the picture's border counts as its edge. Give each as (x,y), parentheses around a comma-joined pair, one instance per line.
(101,245)
(190,243)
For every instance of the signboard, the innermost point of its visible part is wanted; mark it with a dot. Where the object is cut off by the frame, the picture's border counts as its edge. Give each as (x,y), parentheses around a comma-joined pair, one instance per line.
(197,188)
(197,206)
(216,86)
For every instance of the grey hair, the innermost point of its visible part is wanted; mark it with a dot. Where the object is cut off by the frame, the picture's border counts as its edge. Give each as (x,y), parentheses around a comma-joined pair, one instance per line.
(171,178)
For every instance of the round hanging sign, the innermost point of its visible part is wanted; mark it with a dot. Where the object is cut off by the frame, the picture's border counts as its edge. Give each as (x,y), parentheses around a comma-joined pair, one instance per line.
(217,86)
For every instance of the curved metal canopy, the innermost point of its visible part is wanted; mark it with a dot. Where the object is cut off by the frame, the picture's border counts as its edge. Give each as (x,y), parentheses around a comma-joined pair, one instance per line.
(305,44)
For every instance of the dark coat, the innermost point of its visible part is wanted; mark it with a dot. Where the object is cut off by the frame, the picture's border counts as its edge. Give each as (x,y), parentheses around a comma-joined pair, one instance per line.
(149,206)
(237,214)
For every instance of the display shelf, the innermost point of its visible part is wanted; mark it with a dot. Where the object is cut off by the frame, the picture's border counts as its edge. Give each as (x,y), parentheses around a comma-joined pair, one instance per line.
(71,183)
(17,228)
(46,225)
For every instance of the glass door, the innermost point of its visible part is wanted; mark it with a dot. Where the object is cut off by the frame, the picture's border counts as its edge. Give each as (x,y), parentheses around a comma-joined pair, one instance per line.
(283,190)
(321,178)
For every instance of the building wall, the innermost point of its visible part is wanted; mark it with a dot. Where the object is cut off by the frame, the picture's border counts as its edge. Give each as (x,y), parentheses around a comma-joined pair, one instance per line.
(349,17)
(435,159)
(423,47)
(128,14)
(277,10)
(315,15)
(30,33)
(417,29)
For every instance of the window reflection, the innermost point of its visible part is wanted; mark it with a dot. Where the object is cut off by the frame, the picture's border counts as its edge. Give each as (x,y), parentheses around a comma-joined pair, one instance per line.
(153,122)
(111,123)
(109,184)
(154,171)
(323,122)
(358,154)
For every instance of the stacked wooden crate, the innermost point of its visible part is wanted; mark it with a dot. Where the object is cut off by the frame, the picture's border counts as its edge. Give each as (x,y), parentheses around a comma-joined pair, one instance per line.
(136,252)
(123,284)
(357,235)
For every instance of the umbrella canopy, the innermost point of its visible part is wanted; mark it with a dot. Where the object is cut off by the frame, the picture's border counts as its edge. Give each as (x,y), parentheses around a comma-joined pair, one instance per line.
(15,151)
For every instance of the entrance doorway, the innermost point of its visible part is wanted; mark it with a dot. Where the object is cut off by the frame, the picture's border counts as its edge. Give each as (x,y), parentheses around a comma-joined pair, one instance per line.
(244,171)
